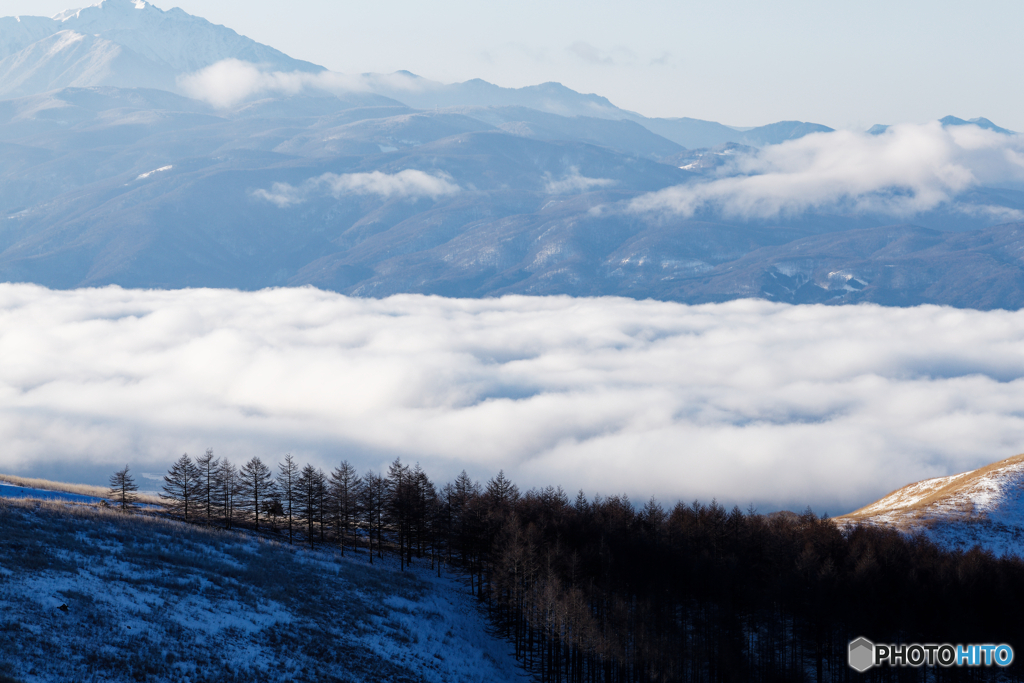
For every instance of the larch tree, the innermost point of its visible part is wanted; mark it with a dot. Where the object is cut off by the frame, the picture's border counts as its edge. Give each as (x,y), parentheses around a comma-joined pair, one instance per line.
(287,483)
(307,499)
(398,504)
(207,466)
(227,489)
(422,518)
(372,501)
(181,486)
(255,482)
(502,492)
(123,489)
(323,496)
(344,487)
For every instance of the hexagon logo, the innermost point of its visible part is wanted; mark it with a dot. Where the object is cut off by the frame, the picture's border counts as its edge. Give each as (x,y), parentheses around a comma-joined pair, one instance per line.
(862,655)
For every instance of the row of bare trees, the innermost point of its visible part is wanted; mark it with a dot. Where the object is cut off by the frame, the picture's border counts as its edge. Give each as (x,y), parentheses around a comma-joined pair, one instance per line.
(400,510)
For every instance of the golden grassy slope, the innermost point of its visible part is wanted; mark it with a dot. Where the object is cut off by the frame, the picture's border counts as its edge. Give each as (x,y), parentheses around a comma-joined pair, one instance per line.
(80,489)
(953,497)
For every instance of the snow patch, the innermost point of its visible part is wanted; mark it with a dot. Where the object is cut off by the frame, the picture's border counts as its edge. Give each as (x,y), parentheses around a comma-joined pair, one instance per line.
(158,170)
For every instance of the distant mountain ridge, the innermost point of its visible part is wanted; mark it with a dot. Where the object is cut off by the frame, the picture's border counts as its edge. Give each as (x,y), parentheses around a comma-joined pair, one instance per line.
(555,98)
(980,122)
(132,43)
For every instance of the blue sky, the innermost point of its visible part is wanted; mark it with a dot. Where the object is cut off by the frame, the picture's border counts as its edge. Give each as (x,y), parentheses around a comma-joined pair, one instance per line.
(740,62)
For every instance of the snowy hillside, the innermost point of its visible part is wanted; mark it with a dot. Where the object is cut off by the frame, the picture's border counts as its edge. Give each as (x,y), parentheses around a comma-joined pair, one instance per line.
(984,507)
(69,59)
(126,43)
(89,594)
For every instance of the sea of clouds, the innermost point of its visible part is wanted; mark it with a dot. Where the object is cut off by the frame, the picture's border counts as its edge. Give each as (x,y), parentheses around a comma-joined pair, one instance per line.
(747,401)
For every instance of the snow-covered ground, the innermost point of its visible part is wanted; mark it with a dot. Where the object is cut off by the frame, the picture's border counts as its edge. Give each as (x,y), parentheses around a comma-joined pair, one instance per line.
(984,508)
(92,594)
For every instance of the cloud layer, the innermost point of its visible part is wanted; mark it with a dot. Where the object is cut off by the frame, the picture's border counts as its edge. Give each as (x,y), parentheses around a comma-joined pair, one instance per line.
(906,170)
(231,81)
(744,401)
(574,183)
(408,184)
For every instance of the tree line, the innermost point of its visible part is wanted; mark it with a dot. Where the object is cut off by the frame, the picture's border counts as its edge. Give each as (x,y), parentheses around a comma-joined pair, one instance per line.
(601,590)
(400,511)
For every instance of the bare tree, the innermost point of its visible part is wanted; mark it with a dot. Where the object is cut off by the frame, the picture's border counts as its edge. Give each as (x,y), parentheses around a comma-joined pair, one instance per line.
(308,498)
(322,494)
(374,495)
(181,486)
(287,482)
(123,489)
(227,490)
(255,483)
(423,517)
(399,504)
(207,467)
(344,487)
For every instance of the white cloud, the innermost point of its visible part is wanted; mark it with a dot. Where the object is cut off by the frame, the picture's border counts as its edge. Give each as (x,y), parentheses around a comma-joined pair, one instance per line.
(746,401)
(904,171)
(231,81)
(574,183)
(408,184)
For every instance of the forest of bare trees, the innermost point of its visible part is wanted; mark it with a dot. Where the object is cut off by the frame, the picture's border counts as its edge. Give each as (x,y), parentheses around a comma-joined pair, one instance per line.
(602,590)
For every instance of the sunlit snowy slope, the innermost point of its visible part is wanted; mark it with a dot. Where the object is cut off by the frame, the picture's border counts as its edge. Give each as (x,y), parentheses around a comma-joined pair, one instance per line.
(88,594)
(984,507)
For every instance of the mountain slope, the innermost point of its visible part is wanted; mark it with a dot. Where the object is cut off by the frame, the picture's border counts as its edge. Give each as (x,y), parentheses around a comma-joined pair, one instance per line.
(623,135)
(92,594)
(144,188)
(983,507)
(71,59)
(899,265)
(17,33)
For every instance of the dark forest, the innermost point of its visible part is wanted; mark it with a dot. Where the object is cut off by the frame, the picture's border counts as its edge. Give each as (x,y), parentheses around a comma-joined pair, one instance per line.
(602,590)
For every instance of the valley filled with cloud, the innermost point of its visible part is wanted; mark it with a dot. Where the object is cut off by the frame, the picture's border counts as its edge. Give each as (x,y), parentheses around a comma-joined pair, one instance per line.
(746,401)
(900,172)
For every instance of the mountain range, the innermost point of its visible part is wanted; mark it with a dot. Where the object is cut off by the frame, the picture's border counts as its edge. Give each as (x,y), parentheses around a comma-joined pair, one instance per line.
(113,170)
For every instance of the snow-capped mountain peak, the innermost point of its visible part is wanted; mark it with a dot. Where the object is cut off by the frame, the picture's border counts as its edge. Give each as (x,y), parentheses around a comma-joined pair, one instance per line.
(145,35)
(108,7)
